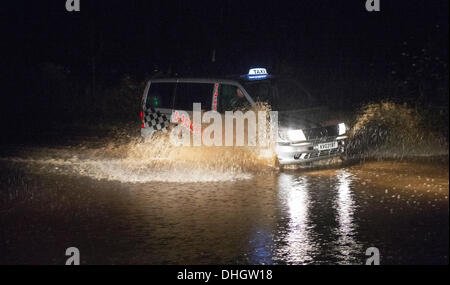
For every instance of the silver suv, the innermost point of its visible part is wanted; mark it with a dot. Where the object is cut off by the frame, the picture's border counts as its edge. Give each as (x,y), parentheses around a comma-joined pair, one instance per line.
(307,132)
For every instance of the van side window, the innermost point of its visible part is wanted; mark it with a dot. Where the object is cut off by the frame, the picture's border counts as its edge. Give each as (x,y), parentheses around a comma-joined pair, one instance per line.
(160,95)
(231,98)
(189,93)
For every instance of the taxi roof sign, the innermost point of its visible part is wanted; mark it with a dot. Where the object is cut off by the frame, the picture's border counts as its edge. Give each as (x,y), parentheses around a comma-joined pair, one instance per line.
(257,71)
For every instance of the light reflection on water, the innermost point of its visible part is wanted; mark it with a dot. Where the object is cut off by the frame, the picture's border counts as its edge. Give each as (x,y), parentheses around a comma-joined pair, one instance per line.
(308,217)
(297,244)
(299,241)
(345,207)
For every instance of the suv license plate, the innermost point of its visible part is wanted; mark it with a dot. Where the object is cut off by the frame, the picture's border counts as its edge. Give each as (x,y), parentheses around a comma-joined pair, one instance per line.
(327,146)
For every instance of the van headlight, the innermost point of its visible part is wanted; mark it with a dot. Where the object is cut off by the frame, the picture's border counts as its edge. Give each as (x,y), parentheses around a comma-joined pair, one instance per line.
(292,135)
(296,135)
(342,129)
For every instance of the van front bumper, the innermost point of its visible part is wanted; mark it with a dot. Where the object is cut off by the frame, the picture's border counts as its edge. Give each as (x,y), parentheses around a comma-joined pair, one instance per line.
(305,152)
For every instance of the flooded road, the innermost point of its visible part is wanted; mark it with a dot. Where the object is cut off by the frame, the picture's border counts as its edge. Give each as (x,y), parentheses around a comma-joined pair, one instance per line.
(55,198)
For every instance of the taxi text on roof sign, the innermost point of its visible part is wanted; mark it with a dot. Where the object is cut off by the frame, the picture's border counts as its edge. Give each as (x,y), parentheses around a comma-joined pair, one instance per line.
(257,71)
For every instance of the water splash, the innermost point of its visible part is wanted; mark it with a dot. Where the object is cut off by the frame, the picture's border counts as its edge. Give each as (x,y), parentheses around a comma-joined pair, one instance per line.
(384,130)
(390,130)
(158,160)
(135,161)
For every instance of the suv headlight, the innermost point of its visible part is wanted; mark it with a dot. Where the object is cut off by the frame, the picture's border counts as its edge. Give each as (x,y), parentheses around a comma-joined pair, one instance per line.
(342,129)
(292,135)
(296,135)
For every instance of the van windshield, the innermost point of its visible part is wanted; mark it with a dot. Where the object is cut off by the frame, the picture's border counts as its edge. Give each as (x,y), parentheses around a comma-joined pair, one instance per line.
(281,94)
(260,90)
(293,96)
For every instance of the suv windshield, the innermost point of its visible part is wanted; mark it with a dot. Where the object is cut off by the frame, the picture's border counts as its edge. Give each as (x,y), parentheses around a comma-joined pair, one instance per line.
(261,91)
(282,94)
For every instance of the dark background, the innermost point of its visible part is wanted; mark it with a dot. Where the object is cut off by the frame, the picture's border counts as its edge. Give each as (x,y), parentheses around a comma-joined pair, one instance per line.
(64,68)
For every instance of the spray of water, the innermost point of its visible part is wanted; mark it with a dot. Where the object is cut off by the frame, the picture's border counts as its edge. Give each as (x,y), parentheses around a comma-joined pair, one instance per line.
(159,160)
(383,130)
(390,130)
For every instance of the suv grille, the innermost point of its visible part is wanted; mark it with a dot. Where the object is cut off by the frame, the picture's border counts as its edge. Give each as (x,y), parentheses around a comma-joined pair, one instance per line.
(324,153)
(321,133)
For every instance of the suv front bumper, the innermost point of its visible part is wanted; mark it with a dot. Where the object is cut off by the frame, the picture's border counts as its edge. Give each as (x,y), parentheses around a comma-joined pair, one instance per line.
(304,152)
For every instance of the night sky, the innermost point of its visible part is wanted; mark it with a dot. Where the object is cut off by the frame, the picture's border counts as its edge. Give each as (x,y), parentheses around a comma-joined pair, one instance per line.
(336,49)
(133,36)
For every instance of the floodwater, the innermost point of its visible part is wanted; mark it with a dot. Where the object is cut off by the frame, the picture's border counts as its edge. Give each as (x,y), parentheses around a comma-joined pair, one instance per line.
(117,209)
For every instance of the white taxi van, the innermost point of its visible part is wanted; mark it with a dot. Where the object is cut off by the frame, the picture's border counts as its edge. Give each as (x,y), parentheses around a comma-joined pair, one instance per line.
(307,132)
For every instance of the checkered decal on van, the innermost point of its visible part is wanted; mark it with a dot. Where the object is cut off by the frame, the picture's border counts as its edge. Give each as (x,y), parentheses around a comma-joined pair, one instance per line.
(155,120)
